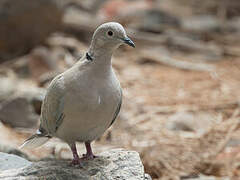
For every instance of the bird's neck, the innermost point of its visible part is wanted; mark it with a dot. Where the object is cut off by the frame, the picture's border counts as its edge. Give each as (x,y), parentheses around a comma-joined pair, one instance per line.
(101,56)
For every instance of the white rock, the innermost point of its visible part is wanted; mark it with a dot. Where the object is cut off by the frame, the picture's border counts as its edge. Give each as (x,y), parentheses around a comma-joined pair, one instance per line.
(115,164)
(12,162)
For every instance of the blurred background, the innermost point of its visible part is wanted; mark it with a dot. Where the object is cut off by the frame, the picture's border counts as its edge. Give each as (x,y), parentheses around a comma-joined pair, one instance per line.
(180,84)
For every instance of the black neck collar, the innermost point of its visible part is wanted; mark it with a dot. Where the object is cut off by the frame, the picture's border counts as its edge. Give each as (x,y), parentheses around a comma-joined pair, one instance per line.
(89,57)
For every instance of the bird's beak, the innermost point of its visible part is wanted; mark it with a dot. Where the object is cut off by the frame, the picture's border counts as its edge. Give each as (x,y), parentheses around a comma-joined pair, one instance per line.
(129,42)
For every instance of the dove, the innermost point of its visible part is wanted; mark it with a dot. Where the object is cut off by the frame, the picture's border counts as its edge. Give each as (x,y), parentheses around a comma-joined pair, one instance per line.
(84,101)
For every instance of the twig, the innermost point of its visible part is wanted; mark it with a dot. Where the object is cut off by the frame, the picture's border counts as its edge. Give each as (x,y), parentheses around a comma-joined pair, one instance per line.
(167,60)
(191,108)
(223,144)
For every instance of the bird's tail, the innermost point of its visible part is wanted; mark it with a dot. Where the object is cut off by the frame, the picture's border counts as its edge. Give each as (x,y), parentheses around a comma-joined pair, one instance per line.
(35,140)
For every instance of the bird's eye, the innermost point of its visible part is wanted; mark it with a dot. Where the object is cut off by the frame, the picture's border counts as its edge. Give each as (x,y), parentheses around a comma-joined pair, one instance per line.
(110,33)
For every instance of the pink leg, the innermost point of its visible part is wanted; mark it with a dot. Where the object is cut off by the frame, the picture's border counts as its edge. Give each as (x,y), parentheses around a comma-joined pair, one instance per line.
(76,160)
(89,155)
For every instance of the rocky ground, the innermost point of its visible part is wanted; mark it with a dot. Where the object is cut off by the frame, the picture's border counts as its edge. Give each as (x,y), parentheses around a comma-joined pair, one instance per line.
(180,84)
(110,165)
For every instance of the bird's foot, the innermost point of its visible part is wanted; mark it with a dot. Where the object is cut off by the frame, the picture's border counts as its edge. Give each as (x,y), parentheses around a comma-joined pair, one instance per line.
(88,156)
(76,162)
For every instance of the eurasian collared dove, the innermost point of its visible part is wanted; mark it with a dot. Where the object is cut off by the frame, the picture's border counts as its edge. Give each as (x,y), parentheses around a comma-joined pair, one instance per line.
(84,101)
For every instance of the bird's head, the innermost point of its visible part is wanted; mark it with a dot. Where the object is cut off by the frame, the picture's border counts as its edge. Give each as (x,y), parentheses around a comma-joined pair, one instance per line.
(111,35)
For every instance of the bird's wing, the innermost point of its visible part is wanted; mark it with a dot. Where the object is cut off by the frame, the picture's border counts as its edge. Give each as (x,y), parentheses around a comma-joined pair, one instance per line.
(118,109)
(53,105)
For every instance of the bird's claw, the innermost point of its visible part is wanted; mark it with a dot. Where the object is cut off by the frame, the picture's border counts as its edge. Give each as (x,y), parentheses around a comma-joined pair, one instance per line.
(76,162)
(88,156)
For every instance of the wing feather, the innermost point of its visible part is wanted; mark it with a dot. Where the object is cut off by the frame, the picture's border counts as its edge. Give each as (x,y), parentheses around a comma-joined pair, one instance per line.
(118,109)
(53,105)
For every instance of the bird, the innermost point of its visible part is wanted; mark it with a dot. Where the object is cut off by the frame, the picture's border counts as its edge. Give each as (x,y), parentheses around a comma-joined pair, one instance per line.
(84,101)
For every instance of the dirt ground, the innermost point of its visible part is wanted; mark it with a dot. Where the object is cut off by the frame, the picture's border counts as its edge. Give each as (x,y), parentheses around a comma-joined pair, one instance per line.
(184,122)
(152,94)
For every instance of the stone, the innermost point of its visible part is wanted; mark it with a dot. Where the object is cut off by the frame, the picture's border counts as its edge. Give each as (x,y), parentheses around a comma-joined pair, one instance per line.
(7,88)
(199,122)
(157,21)
(20,103)
(18,113)
(40,62)
(111,165)
(233,24)
(201,23)
(20,107)
(34,95)
(148,177)
(203,177)
(12,162)
(25,24)
(11,150)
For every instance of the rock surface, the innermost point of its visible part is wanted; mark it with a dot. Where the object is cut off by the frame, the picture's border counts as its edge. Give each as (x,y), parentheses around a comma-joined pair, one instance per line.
(114,164)
(10,161)
(201,23)
(192,122)
(25,24)
(11,150)
(20,103)
(203,177)
(18,112)
(8,87)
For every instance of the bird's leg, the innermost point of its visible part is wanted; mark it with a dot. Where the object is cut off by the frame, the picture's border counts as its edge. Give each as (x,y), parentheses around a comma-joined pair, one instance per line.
(76,160)
(89,154)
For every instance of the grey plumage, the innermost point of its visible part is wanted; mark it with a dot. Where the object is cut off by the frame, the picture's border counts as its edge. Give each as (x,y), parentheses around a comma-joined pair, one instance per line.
(53,105)
(82,102)
(118,109)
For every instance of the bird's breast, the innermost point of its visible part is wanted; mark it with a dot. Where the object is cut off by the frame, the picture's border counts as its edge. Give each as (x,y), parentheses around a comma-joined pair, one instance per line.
(89,107)
(93,95)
